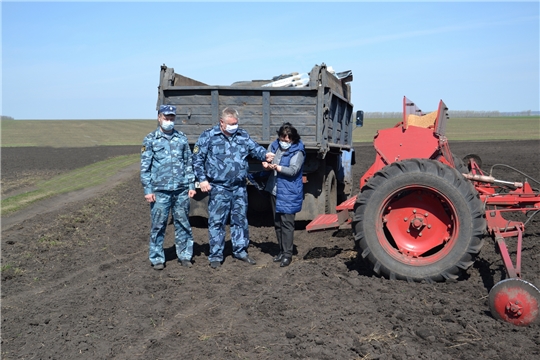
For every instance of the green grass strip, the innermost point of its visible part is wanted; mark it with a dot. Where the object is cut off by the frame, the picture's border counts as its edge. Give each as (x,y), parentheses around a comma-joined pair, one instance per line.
(81,178)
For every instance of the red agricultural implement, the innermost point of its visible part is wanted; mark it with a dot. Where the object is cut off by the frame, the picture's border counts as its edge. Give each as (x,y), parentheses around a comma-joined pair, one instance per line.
(422,213)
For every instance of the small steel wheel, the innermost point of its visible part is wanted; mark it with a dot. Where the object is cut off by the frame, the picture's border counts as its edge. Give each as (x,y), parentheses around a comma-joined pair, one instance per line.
(515,301)
(476,159)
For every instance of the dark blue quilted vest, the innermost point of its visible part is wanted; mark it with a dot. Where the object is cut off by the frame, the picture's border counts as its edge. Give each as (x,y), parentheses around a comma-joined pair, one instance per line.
(290,191)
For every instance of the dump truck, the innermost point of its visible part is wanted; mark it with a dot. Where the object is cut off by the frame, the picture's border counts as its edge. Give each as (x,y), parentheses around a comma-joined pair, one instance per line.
(317,103)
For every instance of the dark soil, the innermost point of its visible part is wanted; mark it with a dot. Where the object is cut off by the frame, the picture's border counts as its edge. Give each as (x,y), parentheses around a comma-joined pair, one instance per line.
(77,284)
(20,166)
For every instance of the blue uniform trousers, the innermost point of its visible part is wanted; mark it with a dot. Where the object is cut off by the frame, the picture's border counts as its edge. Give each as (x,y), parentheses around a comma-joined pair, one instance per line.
(178,202)
(223,202)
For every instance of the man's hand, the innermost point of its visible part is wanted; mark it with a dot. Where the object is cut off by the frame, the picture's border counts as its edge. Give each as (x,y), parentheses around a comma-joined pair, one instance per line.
(191,193)
(150,198)
(205,186)
(266,165)
(270,156)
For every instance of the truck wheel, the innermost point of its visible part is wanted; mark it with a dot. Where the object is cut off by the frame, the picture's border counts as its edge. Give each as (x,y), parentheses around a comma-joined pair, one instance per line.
(419,220)
(330,189)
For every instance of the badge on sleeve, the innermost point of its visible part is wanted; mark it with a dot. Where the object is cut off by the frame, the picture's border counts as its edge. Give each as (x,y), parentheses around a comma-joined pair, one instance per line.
(195,149)
(143,149)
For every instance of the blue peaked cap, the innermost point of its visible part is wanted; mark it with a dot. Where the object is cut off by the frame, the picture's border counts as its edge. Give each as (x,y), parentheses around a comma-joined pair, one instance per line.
(167,109)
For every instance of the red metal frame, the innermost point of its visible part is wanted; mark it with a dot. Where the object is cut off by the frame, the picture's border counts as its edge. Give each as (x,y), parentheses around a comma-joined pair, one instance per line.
(402,142)
(421,222)
(395,144)
(410,108)
(523,199)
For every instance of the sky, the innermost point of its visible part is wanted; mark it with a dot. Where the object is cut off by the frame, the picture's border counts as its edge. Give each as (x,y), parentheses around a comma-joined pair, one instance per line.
(101,60)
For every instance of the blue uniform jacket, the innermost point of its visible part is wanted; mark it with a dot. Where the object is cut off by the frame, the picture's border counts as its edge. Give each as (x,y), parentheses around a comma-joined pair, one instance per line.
(166,164)
(222,160)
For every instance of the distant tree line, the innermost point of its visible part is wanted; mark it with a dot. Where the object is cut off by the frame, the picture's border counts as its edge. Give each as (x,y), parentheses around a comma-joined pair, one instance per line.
(451,113)
(454,114)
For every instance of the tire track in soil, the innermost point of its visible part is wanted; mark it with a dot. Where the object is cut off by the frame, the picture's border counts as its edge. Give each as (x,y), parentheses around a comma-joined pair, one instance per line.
(58,202)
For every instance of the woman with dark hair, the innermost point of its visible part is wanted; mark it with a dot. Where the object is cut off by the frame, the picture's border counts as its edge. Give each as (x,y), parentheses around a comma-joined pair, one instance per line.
(285,187)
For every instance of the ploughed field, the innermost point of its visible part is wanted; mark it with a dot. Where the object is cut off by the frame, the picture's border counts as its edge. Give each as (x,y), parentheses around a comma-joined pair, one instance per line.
(77,284)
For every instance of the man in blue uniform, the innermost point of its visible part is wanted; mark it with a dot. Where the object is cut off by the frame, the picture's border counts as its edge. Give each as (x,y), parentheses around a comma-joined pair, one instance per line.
(221,166)
(168,181)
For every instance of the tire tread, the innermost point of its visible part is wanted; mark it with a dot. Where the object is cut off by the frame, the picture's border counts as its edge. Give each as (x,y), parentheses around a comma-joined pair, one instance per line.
(412,167)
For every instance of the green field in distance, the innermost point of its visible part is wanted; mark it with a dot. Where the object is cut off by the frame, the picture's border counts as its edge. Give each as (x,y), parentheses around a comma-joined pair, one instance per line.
(75,133)
(83,133)
(466,129)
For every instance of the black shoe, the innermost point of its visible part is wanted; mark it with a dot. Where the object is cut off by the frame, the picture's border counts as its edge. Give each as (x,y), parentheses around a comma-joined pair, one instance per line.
(215,265)
(278,258)
(285,262)
(247,259)
(159,266)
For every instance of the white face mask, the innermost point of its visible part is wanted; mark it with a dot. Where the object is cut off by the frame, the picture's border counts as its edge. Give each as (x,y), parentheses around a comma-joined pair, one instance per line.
(231,129)
(167,125)
(284,145)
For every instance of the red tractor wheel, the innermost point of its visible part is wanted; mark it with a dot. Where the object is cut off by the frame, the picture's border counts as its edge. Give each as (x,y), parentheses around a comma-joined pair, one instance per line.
(419,220)
(515,301)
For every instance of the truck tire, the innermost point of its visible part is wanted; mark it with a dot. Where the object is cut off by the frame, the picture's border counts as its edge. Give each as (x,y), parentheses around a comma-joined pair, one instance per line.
(330,189)
(419,220)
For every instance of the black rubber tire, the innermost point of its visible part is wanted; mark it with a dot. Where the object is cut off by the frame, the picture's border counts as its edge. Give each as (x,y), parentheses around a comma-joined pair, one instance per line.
(427,175)
(459,165)
(330,189)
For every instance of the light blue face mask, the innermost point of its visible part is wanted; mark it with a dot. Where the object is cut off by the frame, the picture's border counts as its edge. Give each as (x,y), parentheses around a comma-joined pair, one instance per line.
(284,145)
(167,125)
(231,129)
